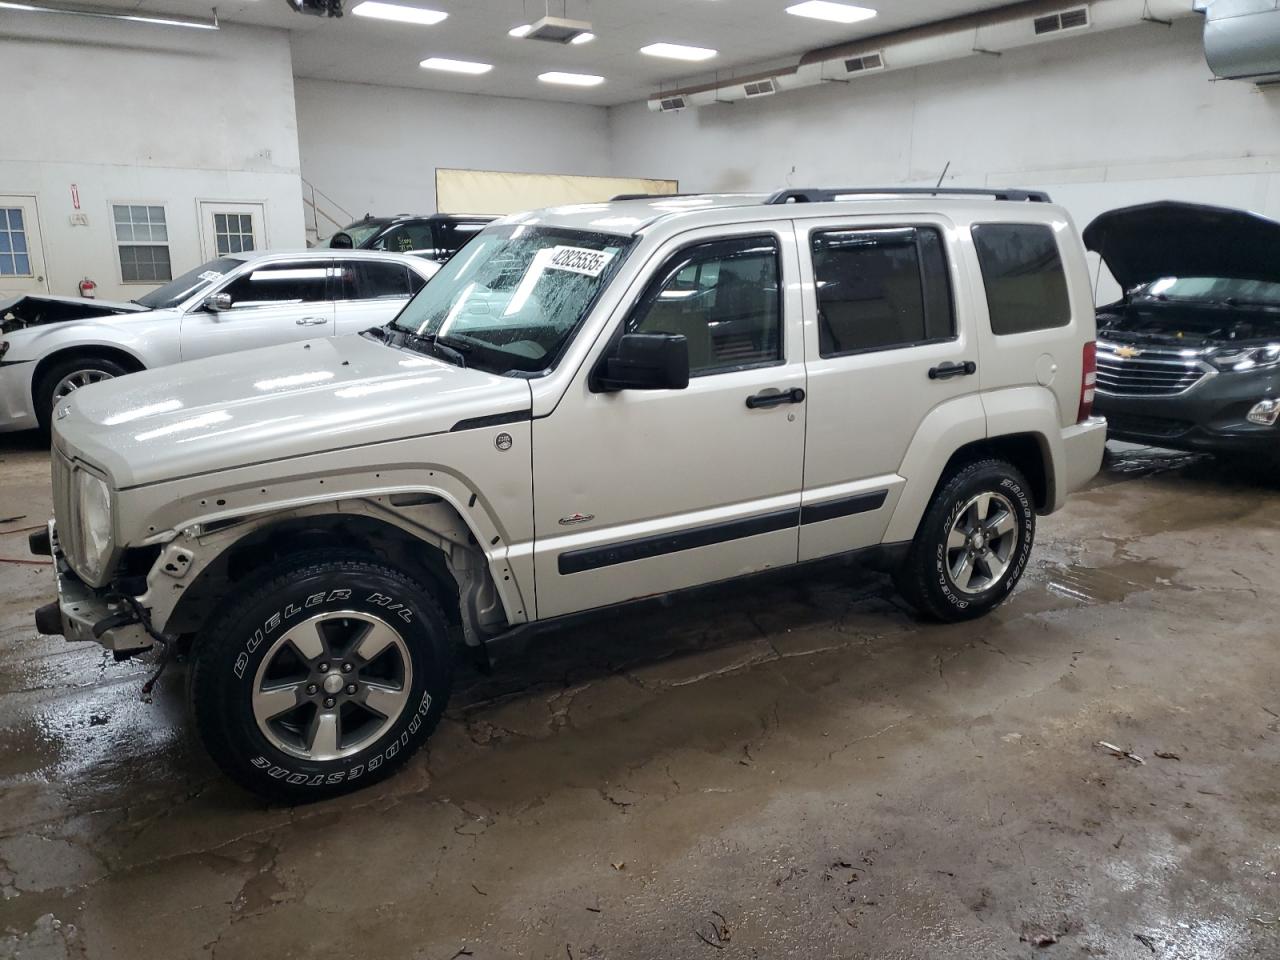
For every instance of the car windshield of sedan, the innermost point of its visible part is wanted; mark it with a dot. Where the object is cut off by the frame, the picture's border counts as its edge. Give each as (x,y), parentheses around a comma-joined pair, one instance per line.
(511,300)
(188,285)
(1220,290)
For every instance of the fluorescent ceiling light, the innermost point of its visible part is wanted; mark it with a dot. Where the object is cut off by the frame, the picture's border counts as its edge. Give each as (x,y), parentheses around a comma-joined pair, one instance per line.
(571,79)
(455,66)
(401,13)
(163,20)
(520,31)
(677,51)
(830,10)
(583,38)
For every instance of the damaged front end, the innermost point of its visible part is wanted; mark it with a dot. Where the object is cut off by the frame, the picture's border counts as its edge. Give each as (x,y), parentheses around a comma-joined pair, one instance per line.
(22,313)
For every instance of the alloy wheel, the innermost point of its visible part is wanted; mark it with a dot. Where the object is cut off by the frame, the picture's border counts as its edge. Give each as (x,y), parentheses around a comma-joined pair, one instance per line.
(981,543)
(332,685)
(75,380)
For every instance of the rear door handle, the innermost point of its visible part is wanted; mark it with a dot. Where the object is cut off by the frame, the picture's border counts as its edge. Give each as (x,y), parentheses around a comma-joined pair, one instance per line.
(794,395)
(311,322)
(945,371)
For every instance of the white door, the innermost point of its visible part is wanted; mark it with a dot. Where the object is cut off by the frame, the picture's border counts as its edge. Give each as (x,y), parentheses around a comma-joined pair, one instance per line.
(272,303)
(638,492)
(884,351)
(370,292)
(21,252)
(231,228)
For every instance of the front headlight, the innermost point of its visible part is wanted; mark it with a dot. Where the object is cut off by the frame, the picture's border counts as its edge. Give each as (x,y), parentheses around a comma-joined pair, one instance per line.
(1245,358)
(94,524)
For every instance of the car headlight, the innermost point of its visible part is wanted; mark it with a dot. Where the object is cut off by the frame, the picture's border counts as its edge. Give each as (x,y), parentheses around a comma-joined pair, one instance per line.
(94,524)
(1246,358)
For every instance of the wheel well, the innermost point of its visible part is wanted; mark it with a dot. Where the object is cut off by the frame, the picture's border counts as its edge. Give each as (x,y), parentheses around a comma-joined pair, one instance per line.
(1026,451)
(114,354)
(375,538)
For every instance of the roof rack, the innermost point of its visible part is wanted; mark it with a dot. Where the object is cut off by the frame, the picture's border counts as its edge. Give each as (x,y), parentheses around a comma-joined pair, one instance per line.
(651,196)
(828,195)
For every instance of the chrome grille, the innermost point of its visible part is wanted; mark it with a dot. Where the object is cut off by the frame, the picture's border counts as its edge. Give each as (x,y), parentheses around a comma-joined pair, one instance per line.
(64,505)
(1148,372)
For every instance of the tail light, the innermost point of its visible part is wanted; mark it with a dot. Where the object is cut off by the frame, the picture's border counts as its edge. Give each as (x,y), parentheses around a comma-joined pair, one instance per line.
(1088,381)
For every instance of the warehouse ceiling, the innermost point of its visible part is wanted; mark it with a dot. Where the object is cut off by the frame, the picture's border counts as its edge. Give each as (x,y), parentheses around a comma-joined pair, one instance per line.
(745,33)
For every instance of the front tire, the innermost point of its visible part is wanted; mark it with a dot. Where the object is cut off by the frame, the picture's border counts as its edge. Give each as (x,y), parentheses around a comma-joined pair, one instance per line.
(64,378)
(973,544)
(322,680)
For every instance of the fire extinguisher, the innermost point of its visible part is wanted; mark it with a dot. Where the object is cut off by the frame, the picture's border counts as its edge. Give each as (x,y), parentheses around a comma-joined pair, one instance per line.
(88,289)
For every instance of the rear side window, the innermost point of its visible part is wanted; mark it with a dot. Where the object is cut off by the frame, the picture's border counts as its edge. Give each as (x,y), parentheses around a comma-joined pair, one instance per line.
(1025,280)
(372,280)
(414,235)
(880,289)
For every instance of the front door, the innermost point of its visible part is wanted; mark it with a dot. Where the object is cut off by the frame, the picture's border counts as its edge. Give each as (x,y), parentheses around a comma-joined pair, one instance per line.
(231,228)
(640,492)
(885,351)
(21,252)
(271,303)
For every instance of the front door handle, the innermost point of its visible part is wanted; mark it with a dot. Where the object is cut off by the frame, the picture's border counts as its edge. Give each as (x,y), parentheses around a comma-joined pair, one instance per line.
(945,371)
(794,395)
(311,322)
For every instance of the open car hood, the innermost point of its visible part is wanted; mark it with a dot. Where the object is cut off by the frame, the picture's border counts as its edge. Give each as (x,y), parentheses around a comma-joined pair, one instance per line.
(18,313)
(1172,239)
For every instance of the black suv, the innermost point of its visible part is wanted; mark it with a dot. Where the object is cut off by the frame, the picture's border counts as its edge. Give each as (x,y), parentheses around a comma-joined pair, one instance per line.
(437,237)
(1190,357)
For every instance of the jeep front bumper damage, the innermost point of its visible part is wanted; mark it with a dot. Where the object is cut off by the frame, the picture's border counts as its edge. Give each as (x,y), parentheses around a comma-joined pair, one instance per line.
(82,612)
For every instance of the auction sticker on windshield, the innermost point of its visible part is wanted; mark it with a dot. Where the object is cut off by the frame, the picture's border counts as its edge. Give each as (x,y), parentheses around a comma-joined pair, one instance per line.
(589,263)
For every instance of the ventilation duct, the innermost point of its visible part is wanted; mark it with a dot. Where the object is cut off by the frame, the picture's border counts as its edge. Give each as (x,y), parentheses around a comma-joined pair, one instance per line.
(671,104)
(1242,39)
(760,88)
(557,30)
(991,31)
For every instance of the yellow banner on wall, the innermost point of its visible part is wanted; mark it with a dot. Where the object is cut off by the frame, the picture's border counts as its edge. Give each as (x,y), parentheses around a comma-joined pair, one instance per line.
(494,192)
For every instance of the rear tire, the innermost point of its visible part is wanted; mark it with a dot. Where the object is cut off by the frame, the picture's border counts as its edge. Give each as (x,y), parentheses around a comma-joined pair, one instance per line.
(322,680)
(973,544)
(64,378)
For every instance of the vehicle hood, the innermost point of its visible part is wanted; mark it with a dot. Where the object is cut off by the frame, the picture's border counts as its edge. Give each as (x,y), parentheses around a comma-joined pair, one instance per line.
(1187,325)
(19,313)
(1170,239)
(273,404)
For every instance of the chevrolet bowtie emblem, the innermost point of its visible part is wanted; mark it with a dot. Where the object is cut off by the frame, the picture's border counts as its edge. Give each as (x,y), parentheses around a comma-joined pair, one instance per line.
(1128,353)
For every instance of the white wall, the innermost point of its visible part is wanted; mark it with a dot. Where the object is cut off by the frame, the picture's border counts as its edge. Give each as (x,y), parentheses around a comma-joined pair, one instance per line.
(1100,121)
(145,114)
(375,149)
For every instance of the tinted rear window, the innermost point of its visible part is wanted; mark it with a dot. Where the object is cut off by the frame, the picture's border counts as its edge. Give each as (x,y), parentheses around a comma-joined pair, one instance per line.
(1025,280)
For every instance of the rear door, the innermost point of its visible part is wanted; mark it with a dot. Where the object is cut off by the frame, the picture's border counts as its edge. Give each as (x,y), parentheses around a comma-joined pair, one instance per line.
(370,292)
(883,349)
(271,303)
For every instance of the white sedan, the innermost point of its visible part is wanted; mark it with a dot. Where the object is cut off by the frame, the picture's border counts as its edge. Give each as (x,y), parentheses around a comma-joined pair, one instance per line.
(51,346)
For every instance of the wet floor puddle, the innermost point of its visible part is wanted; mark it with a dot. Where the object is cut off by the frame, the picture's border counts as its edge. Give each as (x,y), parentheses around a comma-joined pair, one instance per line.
(1101,585)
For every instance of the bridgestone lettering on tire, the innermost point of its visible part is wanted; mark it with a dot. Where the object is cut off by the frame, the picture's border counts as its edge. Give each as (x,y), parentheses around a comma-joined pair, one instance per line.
(324,679)
(973,544)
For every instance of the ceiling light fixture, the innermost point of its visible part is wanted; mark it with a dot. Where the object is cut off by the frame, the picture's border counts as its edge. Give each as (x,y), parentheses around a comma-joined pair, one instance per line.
(156,19)
(832,11)
(520,31)
(399,12)
(455,66)
(571,79)
(583,38)
(678,51)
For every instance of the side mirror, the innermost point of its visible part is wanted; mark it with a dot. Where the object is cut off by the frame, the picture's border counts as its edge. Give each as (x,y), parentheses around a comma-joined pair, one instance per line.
(217,302)
(647,361)
(341,241)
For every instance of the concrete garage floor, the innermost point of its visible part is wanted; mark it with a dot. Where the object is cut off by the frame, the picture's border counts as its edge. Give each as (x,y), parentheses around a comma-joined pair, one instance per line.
(790,769)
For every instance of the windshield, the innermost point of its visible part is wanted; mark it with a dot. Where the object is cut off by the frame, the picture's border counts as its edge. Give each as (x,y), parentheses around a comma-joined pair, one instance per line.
(515,294)
(189,284)
(1257,293)
(361,231)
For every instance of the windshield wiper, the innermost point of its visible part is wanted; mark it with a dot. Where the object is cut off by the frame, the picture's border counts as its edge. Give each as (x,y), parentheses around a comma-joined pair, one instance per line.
(452,351)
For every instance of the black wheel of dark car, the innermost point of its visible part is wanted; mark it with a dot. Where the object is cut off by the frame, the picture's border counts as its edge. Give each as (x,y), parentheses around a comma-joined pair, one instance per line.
(973,543)
(67,376)
(323,679)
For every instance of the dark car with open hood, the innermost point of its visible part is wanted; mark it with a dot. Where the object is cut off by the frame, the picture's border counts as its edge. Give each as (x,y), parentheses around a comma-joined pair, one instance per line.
(1189,357)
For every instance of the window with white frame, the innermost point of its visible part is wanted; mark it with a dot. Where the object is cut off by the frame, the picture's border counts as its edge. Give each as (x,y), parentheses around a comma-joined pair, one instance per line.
(142,237)
(233,233)
(15,261)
